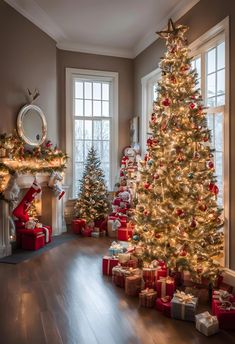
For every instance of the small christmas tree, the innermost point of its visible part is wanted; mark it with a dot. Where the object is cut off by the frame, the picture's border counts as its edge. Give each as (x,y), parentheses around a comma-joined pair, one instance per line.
(177,217)
(92,203)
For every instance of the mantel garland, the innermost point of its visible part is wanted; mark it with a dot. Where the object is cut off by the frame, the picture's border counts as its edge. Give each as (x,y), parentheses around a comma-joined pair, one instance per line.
(15,156)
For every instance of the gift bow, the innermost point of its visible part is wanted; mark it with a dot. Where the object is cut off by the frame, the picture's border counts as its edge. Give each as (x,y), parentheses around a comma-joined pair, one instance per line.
(208,318)
(227,306)
(167,279)
(184,298)
(222,295)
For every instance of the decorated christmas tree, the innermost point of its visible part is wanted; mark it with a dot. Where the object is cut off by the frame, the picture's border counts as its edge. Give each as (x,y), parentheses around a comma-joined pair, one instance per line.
(177,217)
(92,203)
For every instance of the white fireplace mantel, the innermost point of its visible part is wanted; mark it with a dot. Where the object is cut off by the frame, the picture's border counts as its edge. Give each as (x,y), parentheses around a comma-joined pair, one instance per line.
(52,210)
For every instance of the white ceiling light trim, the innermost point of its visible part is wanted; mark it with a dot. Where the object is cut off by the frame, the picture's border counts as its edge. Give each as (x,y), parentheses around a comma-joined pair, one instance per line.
(30,10)
(183,7)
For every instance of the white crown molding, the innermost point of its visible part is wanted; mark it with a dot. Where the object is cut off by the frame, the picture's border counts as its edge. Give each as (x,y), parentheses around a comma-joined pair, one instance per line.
(30,10)
(98,50)
(33,12)
(178,11)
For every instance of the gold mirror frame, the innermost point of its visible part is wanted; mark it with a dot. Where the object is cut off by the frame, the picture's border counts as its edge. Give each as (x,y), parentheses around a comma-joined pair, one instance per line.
(20,128)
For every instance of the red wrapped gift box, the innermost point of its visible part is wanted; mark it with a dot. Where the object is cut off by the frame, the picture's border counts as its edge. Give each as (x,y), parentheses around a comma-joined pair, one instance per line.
(120,218)
(86,232)
(124,234)
(149,277)
(77,225)
(47,231)
(132,263)
(225,313)
(107,265)
(33,240)
(165,286)
(160,272)
(164,307)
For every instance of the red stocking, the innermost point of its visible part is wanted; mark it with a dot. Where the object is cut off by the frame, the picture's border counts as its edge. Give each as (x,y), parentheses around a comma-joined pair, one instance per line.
(21,211)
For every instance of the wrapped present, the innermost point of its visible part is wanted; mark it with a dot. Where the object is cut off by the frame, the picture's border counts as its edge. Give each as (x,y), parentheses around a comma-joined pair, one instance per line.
(132,263)
(95,234)
(202,293)
(121,219)
(183,306)
(86,232)
(108,264)
(147,298)
(113,225)
(133,285)
(222,295)
(160,272)
(120,273)
(115,249)
(149,275)
(124,257)
(225,312)
(124,234)
(164,305)
(207,323)
(165,286)
(77,225)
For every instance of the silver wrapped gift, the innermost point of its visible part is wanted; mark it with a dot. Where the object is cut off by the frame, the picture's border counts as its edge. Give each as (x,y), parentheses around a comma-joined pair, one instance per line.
(207,323)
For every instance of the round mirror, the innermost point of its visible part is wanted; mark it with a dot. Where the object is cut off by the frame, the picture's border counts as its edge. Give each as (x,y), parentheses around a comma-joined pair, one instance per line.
(31,125)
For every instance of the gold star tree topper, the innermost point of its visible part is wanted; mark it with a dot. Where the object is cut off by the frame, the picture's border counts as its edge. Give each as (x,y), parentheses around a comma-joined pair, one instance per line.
(172,30)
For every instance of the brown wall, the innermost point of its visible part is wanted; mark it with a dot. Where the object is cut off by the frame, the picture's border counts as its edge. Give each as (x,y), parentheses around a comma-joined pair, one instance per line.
(98,62)
(27,60)
(203,16)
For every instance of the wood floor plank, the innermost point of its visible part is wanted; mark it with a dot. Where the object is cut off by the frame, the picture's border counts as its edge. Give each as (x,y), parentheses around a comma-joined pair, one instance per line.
(61,297)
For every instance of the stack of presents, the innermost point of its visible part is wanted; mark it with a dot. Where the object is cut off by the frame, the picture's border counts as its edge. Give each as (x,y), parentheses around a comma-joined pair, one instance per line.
(118,224)
(30,233)
(158,288)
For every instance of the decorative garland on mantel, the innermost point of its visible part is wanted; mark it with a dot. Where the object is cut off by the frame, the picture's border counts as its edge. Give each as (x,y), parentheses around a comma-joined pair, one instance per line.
(15,156)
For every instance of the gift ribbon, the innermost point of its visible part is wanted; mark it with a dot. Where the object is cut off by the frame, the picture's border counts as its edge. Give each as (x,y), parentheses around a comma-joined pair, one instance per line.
(184,299)
(227,306)
(221,295)
(46,233)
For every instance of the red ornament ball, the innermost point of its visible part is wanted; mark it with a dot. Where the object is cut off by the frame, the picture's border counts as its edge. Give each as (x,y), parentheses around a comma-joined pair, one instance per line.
(214,188)
(183,253)
(193,223)
(166,102)
(146,185)
(205,138)
(192,106)
(211,164)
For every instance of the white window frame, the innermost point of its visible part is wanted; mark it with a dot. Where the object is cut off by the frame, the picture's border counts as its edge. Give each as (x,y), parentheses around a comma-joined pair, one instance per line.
(147,82)
(72,73)
(214,36)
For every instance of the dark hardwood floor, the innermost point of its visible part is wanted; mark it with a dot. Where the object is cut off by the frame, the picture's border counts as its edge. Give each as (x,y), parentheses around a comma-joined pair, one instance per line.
(62,297)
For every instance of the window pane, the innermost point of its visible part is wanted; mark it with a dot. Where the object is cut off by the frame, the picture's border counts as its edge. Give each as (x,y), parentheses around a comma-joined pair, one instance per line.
(221,56)
(219,173)
(78,89)
(105,91)
(211,61)
(96,90)
(198,83)
(105,151)
(88,130)
(218,132)
(106,171)
(88,108)
(97,130)
(211,85)
(88,93)
(78,107)
(221,82)
(210,124)
(105,130)
(97,146)
(105,109)
(79,150)
(96,108)
(211,102)
(220,100)
(78,129)
(88,145)
(193,64)
(78,169)
(198,67)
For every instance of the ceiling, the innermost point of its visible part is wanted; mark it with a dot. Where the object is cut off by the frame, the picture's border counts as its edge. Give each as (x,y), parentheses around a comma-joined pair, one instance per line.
(108,27)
